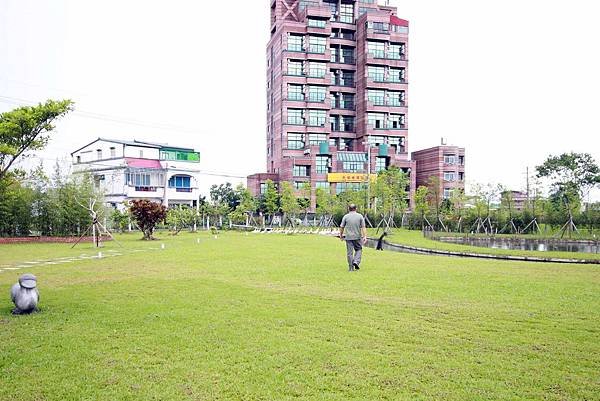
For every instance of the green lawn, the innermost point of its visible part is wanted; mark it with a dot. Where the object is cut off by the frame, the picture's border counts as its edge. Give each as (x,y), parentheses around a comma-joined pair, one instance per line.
(276,317)
(416,239)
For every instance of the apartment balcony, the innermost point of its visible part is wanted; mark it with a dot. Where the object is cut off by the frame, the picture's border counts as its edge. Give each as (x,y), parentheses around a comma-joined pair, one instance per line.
(342,86)
(386,129)
(386,106)
(382,82)
(341,128)
(343,23)
(342,41)
(386,59)
(318,54)
(350,107)
(378,34)
(314,10)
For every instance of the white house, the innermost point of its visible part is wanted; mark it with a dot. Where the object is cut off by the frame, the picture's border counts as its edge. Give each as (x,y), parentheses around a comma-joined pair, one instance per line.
(127,170)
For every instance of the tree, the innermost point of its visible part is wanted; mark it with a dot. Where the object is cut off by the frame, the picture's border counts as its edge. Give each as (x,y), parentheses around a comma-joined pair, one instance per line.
(458,199)
(223,195)
(326,203)
(119,219)
(246,207)
(390,192)
(573,171)
(147,215)
(289,203)
(27,128)
(421,204)
(270,199)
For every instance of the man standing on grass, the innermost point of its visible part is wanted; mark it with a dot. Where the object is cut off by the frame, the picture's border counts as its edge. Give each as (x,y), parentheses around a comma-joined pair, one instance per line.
(353,224)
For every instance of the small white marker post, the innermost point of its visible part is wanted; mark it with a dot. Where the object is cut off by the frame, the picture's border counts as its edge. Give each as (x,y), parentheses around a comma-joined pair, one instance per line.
(99,255)
(197,240)
(162,246)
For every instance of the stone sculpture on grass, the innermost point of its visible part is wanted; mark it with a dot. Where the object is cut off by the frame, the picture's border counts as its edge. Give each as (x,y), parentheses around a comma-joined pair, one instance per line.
(25,295)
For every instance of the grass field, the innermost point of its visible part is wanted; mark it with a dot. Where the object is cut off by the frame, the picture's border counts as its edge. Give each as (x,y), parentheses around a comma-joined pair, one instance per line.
(275,317)
(416,239)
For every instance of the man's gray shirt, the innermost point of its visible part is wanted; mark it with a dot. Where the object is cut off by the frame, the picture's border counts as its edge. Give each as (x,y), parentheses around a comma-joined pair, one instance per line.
(353,223)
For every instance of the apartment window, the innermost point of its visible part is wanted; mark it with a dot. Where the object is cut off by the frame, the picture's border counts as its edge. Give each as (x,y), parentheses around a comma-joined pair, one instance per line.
(347,34)
(140,179)
(295,141)
(449,176)
(317,93)
(316,23)
(447,193)
(316,118)
(347,124)
(322,164)
(347,13)
(334,54)
(347,102)
(396,121)
(377,74)
(347,56)
(348,186)
(449,159)
(376,120)
(376,49)
(113,152)
(362,10)
(396,98)
(316,139)
(333,7)
(180,181)
(396,74)
(301,171)
(322,185)
(295,92)
(294,117)
(317,70)
(354,167)
(295,68)
(377,97)
(461,160)
(461,176)
(99,154)
(347,78)
(396,51)
(316,44)
(380,164)
(345,144)
(263,187)
(381,27)
(376,140)
(294,43)
(298,185)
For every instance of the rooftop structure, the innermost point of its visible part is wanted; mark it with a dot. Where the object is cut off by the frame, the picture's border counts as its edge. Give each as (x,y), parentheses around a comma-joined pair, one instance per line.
(126,170)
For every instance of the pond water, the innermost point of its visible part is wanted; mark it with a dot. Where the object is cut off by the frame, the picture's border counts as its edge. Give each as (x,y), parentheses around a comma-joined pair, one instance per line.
(527,244)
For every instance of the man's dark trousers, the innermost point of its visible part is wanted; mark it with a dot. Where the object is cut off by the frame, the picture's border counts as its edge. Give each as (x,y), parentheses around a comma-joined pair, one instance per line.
(354,253)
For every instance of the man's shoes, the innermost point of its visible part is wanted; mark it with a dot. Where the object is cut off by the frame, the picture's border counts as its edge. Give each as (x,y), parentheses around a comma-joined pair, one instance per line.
(355,266)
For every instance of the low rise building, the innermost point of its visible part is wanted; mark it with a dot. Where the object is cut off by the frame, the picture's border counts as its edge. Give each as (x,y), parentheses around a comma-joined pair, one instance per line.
(127,170)
(446,164)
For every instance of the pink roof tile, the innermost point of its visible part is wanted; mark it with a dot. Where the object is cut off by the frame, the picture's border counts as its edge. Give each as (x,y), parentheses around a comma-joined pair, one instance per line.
(398,21)
(142,163)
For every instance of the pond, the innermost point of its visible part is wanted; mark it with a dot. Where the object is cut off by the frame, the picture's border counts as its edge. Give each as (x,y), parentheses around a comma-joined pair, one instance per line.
(544,245)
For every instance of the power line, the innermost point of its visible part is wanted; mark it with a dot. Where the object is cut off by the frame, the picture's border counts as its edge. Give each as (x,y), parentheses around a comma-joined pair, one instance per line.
(105,117)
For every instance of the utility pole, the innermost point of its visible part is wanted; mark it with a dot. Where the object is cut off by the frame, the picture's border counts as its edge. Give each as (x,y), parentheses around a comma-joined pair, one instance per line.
(527,184)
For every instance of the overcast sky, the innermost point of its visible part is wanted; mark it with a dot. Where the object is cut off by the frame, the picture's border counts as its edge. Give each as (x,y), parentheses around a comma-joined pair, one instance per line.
(512,81)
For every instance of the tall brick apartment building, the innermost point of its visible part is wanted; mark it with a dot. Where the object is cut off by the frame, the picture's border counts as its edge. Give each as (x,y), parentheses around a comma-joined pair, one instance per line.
(337,94)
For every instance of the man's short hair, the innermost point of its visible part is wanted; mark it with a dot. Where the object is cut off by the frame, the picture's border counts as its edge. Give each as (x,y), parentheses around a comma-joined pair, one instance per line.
(352,207)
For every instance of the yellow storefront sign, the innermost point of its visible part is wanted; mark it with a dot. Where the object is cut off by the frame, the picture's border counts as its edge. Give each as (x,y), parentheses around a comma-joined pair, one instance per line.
(349,177)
